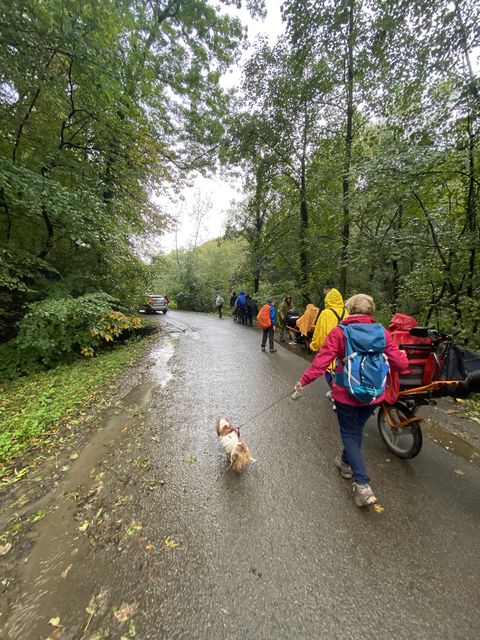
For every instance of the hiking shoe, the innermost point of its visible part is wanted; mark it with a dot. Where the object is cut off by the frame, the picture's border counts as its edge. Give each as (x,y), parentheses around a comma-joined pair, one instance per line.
(363,495)
(263,348)
(334,408)
(292,343)
(345,469)
(329,395)
(273,350)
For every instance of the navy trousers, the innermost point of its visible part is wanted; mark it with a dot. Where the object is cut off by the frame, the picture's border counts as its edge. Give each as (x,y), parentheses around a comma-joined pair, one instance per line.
(351,420)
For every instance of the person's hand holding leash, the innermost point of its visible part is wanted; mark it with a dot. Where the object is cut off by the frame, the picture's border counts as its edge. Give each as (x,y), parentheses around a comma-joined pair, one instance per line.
(297,391)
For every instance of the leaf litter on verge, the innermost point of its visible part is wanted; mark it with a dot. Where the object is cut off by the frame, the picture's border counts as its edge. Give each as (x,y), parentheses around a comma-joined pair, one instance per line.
(125,611)
(4,549)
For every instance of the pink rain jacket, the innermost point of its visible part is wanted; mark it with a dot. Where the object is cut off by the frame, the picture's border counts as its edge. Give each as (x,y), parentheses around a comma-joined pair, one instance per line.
(334,348)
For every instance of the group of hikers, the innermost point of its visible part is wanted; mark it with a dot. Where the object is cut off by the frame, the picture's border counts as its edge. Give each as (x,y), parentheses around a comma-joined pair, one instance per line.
(354,353)
(242,306)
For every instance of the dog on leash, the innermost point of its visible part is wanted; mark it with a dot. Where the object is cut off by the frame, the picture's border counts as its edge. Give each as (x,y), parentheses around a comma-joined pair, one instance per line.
(236,450)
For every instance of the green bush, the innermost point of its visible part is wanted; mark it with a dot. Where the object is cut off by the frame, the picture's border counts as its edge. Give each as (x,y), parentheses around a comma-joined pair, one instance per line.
(54,331)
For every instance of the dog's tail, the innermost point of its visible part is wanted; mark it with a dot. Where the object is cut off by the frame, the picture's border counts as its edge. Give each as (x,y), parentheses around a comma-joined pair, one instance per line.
(240,456)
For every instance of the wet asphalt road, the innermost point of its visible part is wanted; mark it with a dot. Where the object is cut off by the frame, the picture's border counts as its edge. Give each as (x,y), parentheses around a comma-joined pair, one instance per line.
(281,551)
(180,547)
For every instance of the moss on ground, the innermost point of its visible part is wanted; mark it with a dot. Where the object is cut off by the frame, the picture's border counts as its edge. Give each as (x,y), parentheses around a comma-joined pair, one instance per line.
(33,407)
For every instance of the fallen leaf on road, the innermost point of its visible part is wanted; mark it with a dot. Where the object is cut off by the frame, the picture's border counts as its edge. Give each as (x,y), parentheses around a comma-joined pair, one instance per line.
(378,508)
(5,548)
(65,573)
(459,472)
(171,543)
(192,459)
(125,611)
(73,456)
(84,526)
(55,622)
(149,546)
(133,528)
(38,516)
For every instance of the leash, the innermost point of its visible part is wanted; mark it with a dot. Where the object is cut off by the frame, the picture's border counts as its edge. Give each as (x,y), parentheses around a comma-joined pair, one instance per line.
(256,415)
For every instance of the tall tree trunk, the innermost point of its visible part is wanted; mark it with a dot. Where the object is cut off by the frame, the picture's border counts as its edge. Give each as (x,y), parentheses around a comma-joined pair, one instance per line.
(471,204)
(347,162)
(471,209)
(48,244)
(303,233)
(395,265)
(259,220)
(5,207)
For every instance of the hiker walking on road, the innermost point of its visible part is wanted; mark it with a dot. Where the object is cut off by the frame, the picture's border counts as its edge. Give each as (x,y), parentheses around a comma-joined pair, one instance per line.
(219,304)
(372,343)
(266,320)
(333,313)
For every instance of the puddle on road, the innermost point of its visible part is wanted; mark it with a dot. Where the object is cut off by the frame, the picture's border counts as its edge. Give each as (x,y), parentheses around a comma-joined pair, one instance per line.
(160,357)
(450,441)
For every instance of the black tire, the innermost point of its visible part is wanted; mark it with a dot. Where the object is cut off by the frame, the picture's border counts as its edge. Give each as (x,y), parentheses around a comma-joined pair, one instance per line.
(404,443)
(164,312)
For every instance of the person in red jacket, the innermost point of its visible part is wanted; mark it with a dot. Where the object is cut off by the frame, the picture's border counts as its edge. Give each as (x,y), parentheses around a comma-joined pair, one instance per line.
(351,413)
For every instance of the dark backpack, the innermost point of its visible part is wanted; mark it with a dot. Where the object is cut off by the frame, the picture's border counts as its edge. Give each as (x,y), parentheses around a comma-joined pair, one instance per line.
(365,366)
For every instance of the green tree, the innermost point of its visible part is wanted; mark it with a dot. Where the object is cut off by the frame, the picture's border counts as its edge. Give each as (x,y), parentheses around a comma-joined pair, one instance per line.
(102,105)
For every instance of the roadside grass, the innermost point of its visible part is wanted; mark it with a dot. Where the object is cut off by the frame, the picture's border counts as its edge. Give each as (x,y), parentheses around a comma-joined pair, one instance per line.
(471,408)
(35,407)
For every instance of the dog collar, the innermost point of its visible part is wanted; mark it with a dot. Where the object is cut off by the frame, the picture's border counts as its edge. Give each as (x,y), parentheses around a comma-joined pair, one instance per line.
(236,429)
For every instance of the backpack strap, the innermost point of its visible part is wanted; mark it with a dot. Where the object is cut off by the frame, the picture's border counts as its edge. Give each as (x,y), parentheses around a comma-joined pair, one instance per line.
(336,314)
(338,372)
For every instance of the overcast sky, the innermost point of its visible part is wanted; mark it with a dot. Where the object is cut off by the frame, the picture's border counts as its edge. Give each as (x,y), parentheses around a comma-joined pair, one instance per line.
(218,191)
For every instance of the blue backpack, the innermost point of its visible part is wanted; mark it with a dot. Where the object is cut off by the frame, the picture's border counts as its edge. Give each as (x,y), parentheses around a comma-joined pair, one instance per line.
(365,366)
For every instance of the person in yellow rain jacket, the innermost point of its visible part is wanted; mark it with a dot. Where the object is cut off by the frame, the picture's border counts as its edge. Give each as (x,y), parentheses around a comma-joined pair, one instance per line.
(328,319)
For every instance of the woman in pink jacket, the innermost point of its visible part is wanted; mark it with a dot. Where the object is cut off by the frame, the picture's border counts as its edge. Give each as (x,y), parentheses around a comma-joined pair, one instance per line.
(351,413)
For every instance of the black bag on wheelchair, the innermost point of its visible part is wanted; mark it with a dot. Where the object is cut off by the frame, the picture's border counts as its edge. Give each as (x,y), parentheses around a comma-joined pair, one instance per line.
(291,318)
(460,363)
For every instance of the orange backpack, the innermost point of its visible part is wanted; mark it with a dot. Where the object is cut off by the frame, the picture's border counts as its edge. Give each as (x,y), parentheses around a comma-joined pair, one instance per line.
(263,317)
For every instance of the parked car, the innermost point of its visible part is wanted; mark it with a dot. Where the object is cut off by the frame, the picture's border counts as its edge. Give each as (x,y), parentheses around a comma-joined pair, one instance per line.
(156,304)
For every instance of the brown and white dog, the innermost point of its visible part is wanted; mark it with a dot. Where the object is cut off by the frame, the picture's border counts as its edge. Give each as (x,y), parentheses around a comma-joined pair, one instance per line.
(236,450)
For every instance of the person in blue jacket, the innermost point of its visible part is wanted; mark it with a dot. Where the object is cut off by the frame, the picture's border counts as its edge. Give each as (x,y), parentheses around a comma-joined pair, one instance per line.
(241,307)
